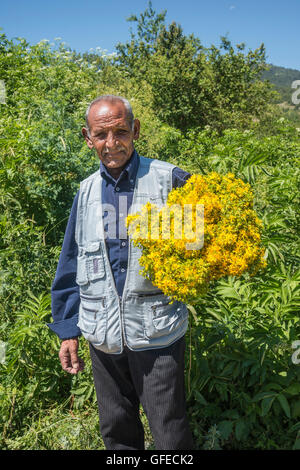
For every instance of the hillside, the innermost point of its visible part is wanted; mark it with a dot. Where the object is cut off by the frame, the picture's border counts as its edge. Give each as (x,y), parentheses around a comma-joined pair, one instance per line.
(282,78)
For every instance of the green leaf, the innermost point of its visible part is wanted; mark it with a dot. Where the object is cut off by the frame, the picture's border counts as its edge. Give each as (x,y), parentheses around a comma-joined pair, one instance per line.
(229,292)
(295,427)
(225,429)
(296,409)
(274,386)
(284,404)
(242,430)
(80,390)
(296,445)
(266,404)
(200,398)
(193,312)
(232,414)
(263,395)
(293,389)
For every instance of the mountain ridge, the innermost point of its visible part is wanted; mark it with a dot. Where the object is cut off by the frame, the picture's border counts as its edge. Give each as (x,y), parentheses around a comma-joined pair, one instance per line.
(282,79)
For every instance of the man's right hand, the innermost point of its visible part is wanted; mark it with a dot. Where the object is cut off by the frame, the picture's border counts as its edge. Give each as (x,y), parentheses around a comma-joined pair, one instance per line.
(68,356)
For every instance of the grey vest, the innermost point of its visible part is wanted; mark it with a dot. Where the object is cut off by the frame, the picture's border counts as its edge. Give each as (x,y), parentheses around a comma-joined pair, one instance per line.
(143,317)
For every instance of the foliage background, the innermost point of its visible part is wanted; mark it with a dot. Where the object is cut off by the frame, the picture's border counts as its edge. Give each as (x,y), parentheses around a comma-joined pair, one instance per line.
(203,110)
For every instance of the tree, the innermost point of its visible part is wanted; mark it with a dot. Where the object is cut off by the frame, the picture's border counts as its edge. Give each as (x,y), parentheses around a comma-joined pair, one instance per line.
(193,86)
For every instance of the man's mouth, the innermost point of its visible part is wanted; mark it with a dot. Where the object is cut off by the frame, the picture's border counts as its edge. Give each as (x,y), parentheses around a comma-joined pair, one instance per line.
(113,154)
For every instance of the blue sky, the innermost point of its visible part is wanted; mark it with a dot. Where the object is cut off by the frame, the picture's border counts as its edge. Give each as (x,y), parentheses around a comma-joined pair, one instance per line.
(87,24)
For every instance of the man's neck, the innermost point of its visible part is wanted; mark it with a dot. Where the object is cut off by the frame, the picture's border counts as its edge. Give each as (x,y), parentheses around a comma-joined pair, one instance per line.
(115,172)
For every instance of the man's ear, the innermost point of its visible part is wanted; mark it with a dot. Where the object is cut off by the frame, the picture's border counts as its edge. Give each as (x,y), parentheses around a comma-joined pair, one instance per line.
(136,129)
(85,134)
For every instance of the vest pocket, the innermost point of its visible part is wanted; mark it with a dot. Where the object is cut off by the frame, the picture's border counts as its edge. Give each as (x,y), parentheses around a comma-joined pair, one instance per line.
(90,264)
(162,318)
(95,267)
(93,319)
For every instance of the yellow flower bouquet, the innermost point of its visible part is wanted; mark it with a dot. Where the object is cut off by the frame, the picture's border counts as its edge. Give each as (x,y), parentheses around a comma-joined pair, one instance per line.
(208,229)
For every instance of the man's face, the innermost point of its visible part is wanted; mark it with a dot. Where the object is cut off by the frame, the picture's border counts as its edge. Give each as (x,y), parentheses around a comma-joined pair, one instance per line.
(111,134)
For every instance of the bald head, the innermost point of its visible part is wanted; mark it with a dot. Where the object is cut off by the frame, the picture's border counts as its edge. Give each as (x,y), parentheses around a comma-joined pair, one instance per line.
(110,99)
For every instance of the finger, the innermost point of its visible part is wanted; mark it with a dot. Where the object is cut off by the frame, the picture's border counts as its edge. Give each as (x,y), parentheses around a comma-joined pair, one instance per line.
(74,360)
(65,361)
(81,367)
(71,370)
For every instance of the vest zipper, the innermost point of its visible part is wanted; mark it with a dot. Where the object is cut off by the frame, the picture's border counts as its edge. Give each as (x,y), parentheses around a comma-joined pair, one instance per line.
(123,342)
(124,290)
(128,258)
(122,325)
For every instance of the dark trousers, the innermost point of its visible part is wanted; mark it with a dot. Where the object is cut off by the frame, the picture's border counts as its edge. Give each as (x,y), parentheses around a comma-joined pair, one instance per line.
(154,378)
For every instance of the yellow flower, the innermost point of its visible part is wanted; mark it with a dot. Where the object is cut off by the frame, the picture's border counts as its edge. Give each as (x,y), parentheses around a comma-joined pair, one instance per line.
(176,257)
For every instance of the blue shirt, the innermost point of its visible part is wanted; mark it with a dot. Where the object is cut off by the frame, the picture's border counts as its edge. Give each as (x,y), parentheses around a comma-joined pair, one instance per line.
(65,292)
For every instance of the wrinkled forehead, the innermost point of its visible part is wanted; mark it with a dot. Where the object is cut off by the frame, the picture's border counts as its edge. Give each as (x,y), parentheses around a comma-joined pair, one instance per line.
(107,112)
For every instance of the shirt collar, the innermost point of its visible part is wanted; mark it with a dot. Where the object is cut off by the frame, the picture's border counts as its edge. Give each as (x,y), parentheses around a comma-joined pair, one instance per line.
(129,171)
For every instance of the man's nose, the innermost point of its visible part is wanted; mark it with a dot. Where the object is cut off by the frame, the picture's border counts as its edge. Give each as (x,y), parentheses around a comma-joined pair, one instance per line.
(111,139)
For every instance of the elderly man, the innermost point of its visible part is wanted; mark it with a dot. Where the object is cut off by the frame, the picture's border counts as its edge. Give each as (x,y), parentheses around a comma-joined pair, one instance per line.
(136,337)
